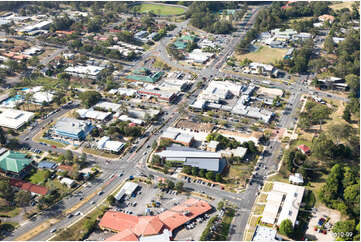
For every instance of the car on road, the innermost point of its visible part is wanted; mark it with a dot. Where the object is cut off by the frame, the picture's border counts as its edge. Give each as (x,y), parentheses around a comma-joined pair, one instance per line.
(92,202)
(77,213)
(27,138)
(120,174)
(53,230)
(70,216)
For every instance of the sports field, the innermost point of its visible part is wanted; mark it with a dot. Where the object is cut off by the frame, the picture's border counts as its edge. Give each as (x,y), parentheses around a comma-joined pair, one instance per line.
(264,54)
(162,10)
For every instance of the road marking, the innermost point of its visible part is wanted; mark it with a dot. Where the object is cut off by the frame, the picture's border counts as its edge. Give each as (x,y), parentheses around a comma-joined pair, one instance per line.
(37,230)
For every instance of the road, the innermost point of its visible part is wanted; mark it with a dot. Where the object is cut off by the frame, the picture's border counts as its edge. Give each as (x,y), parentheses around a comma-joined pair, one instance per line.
(128,164)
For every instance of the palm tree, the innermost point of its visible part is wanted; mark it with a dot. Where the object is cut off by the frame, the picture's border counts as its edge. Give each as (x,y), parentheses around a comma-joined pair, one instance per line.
(28,98)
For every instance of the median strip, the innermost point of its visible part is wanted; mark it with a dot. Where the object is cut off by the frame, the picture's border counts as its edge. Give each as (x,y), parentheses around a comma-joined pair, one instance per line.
(37,230)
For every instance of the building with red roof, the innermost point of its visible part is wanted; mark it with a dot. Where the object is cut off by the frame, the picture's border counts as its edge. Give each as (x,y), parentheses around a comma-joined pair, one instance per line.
(129,226)
(65,168)
(304,149)
(27,186)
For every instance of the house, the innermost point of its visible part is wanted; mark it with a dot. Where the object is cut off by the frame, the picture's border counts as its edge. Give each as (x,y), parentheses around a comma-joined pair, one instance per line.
(67,181)
(27,186)
(34,50)
(65,168)
(13,118)
(304,149)
(14,164)
(326,18)
(134,228)
(283,202)
(73,128)
(337,40)
(211,161)
(296,179)
(106,144)
(89,71)
(302,36)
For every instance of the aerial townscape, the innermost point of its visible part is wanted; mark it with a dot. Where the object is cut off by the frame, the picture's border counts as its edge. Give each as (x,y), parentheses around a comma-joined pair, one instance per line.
(180,120)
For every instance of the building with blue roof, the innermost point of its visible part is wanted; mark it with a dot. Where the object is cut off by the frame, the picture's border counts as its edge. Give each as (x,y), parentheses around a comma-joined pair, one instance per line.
(73,128)
(47,165)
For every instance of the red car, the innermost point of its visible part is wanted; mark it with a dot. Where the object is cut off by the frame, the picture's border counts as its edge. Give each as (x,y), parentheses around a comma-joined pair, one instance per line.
(53,146)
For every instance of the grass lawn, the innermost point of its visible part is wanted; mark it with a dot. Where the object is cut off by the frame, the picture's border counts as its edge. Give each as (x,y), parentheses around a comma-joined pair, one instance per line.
(162,10)
(338,6)
(268,187)
(264,54)
(100,153)
(262,198)
(10,213)
(258,209)
(39,177)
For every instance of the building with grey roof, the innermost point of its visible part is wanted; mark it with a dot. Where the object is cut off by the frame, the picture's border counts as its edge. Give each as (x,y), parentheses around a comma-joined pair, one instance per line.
(211,161)
(73,128)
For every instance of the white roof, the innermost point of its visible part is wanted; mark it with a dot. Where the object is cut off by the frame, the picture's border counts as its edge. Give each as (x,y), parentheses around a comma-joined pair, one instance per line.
(255,65)
(189,154)
(86,70)
(291,203)
(165,236)
(114,107)
(213,144)
(67,181)
(274,200)
(14,119)
(129,188)
(132,120)
(92,114)
(40,97)
(126,91)
(264,233)
(106,144)
(296,178)
(270,91)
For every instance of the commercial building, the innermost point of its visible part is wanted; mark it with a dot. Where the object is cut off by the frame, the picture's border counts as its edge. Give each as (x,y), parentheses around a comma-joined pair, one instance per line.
(283,202)
(177,137)
(198,56)
(93,114)
(167,96)
(128,189)
(108,106)
(13,118)
(237,152)
(211,161)
(14,164)
(134,228)
(73,128)
(106,144)
(43,25)
(144,75)
(336,83)
(272,92)
(89,71)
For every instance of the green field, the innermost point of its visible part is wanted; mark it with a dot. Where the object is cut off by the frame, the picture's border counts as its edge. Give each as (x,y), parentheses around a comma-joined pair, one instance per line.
(162,10)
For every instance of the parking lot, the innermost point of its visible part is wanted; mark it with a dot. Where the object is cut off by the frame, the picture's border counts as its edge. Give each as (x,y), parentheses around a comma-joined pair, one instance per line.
(150,200)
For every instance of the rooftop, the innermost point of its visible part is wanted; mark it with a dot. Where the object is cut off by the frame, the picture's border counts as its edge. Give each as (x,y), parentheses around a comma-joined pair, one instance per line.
(14,161)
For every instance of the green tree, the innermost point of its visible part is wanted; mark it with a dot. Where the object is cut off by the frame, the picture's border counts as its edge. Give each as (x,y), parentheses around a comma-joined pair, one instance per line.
(323,147)
(187,170)
(170,184)
(344,229)
(22,198)
(353,82)
(286,228)
(179,186)
(68,155)
(202,173)
(210,175)
(6,190)
(195,171)
(220,205)
(340,132)
(111,199)
(90,98)
(2,137)
(329,45)
(83,158)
